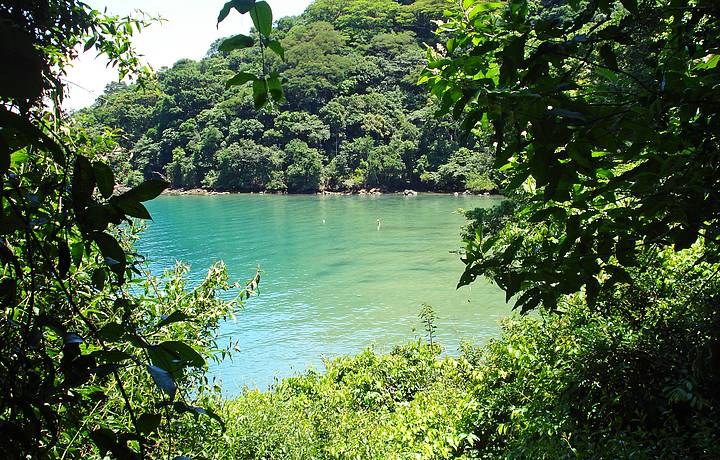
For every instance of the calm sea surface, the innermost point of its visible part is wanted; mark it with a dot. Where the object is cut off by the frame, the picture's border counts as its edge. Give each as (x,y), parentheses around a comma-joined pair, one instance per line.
(333,283)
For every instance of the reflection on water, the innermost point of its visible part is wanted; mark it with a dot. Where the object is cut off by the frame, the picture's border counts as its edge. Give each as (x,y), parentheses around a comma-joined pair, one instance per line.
(332,282)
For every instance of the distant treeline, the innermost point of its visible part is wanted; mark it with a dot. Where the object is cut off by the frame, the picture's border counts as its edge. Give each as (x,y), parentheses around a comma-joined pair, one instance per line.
(354,115)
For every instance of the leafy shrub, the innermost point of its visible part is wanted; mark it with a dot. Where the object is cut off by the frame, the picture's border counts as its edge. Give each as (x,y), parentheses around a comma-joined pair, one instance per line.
(582,383)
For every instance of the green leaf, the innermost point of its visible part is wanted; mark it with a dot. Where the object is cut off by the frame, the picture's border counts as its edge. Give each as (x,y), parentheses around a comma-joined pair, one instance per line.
(184,352)
(105,440)
(111,332)
(236,42)
(89,44)
(275,88)
(277,48)
(148,423)
(105,178)
(711,63)
(99,217)
(262,18)
(133,209)
(260,94)
(174,317)
(112,252)
(242,6)
(146,191)
(83,181)
(77,250)
(240,79)
(19,157)
(98,278)
(163,380)
(606,74)
(224,12)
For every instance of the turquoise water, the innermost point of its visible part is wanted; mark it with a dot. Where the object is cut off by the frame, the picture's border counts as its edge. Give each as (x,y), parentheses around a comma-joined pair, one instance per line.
(333,283)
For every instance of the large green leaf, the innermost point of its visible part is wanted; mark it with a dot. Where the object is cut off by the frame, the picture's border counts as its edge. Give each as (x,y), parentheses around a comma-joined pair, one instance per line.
(242,6)
(183,352)
(104,177)
(236,42)
(112,332)
(274,86)
(240,79)
(112,252)
(83,181)
(111,356)
(262,17)
(164,381)
(134,208)
(146,191)
(260,93)
(277,48)
(148,423)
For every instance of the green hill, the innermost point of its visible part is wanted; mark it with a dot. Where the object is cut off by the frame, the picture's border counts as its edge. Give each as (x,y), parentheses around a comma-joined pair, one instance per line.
(354,116)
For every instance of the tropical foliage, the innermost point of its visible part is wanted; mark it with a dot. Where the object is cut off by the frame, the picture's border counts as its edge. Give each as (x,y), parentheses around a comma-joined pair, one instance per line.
(575,384)
(604,115)
(96,355)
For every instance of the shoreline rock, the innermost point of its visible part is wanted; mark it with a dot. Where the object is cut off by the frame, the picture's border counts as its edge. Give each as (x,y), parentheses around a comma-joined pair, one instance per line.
(192,191)
(364,192)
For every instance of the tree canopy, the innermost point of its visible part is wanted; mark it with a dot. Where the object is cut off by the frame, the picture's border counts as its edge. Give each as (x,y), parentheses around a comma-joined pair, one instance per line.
(604,115)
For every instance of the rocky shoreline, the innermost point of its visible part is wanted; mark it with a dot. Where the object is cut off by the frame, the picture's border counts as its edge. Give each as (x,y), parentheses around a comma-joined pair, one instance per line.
(372,191)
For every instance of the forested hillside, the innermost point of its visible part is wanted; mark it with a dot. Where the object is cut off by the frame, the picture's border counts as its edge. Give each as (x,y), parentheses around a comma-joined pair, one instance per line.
(354,116)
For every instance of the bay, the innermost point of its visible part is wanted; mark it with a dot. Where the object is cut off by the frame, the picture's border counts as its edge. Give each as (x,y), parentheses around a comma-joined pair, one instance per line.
(333,282)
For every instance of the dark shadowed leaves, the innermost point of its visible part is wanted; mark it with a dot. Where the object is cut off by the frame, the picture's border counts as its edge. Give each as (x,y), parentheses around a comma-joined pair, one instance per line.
(148,423)
(105,178)
(113,253)
(146,191)
(164,381)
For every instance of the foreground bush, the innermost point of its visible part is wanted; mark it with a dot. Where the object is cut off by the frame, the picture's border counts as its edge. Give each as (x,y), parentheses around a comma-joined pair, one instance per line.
(581,384)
